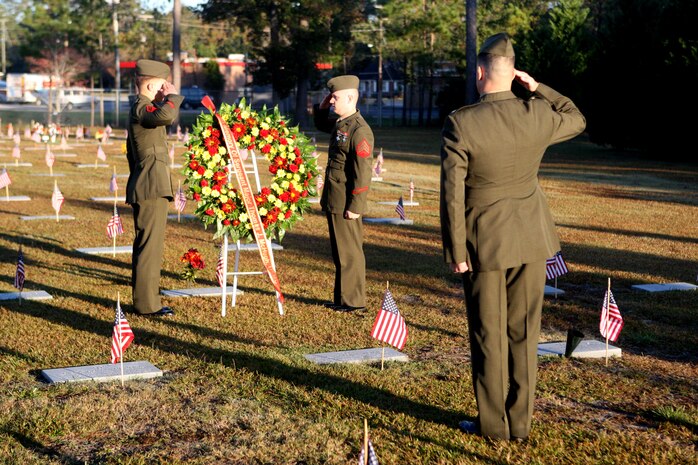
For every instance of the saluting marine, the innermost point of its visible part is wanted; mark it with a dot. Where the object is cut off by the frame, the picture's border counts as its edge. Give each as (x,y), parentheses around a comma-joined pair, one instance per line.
(497,229)
(149,187)
(347,181)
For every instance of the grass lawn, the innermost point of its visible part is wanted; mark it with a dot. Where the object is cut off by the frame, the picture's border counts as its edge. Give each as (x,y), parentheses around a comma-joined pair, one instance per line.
(237,390)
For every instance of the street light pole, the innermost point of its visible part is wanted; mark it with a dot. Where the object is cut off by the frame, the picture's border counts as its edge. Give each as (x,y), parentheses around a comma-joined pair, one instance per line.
(380,72)
(117,61)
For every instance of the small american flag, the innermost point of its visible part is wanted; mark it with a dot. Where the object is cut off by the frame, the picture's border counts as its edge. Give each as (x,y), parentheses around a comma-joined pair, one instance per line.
(100,153)
(411,188)
(611,320)
(372,457)
(320,181)
(50,157)
(171,153)
(113,186)
(122,335)
(555,266)
(400,209)
(20,273)
(389,326)
(115,226)
(179,133)
(4,178)
(64,142)
(57,199)
(16,152)
(378,167)
(180,200)
(220,270)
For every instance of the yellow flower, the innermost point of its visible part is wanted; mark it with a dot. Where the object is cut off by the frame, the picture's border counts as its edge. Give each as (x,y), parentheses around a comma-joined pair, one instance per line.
(278,203)
(206,156)
(243,217)
(195,175)
(206,190)
(301,169)
(248,226)
(280,174)
(222,150)
(216,158)
(271,197)
(224,198)
(289,175)
(263,211)
(255,131)
(245,114)
(205,134)
(214,193)
(208,174)
(282,148)
(246,139)
(220,214)
(285,184)
(269,138)
(296,177)
(293,207)
(264,125)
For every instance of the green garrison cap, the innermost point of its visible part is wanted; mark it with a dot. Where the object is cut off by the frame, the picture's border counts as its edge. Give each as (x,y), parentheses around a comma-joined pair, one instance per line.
(152,68)
(347,81)
(499,45)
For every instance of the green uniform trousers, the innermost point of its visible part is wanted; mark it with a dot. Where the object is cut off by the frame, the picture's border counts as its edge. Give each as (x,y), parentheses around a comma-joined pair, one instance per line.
(346,238)
(504,312)
(150,219)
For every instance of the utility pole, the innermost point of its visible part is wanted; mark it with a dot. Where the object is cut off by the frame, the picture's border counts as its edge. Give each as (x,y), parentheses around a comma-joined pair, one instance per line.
(3,23)
(380,73)
(117,61)
(470,51)
(176,52)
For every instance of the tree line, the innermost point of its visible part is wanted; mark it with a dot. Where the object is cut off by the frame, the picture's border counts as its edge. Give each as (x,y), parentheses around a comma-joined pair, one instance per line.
(630,65)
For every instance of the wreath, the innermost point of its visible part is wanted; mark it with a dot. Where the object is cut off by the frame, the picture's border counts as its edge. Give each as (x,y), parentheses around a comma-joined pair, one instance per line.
(292,166)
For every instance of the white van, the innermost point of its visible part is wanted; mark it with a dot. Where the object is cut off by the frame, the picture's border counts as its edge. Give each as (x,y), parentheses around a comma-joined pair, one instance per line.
(66,98)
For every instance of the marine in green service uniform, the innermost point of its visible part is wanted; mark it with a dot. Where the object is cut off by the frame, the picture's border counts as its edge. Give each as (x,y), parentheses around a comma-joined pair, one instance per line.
(347,180)
(498,231)
(149,187)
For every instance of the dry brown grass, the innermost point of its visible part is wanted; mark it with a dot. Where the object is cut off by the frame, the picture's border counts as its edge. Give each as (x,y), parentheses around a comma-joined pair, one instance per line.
(237,389)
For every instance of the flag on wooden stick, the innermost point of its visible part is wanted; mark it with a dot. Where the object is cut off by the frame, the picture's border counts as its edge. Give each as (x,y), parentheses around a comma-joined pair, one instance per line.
(57,198)
(115,227)
(555,266)
(611,320)
(113,186)
(20,274)
(4,178)
(100,153)
(220,269)
(122,335)
(15,152)
(400,209)
(372,457)
(50,157)
(389,326)
(180,200)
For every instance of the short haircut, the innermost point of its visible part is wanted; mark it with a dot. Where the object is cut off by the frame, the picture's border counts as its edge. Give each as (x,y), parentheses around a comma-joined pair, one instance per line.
(141,81)
(495,64)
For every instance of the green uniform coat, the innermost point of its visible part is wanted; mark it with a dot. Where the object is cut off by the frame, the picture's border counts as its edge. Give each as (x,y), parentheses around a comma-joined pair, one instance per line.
(495,218)
(148,190)
(347,181)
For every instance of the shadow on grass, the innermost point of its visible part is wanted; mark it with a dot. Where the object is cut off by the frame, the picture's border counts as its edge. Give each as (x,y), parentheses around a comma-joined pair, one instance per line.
(253,362)
(41,450)
(626,232)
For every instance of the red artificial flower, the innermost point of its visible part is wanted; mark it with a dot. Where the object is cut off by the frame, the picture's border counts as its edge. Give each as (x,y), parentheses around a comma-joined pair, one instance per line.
(226,222)
(220,176)
(297,151)
(282,123)
(213,150)
(236,222)
(260,199)
(288,214)
(284,196)
(215,132)
(251,122)
(273,169)
(283,141)
(266,148)
(293,168)
(264,133)
(238,130)
(204,183)
(266,191)
(210,212)
(227,207)
(274,133)
(201,170)
(193,164)
(304,193)
(294,195)
(197,197)
(210,141)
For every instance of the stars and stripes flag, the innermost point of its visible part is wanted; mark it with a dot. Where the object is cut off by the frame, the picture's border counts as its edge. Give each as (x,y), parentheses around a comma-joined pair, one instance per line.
(378,167)
(122,336)
(320,182)
(179,133)
(411,188)
(115,227)
(172,154)
(20,274)
(220,269)
(4,178)
(50,157)
(180,200)
(10,131)
(555,266)
(57,198)
(611,320)
(390,326)
(372,457)
(15,152)
(64,142)
(100,153)
(400,209)
(113,186)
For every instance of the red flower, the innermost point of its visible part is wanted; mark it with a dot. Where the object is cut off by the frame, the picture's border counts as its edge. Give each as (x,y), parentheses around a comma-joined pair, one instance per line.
(288,214)
(266,191)
(201,170)
(238,130)
(193,164)
(284,196)
(266,148)
(210,141)
(282,123)
(251,122)
(294,195)
(215,132)
(236,222)
(213,150)
(204,183)
(220,176)
(274,133)
(293,168)
(280,162)
(226,222)
(283,141)
(273,169)
(304,193)
(197,197)
(264,133)
(210,212)
(227,207)
(260,199)
(297,151)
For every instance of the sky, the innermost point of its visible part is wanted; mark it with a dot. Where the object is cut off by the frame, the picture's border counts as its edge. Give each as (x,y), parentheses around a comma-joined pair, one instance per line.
(166,5)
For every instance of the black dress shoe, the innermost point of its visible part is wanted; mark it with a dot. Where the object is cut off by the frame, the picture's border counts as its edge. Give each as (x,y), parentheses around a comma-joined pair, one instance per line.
(468,427)
(346,308)
(331,305)
(164,311)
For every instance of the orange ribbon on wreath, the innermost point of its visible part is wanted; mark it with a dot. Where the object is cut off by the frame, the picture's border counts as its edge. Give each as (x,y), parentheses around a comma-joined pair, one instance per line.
(247,196)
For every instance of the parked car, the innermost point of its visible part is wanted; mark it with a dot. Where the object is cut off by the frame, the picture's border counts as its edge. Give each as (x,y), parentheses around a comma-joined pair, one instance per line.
(192,97)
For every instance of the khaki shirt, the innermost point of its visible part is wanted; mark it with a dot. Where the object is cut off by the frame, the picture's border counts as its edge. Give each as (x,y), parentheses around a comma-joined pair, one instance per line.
(146,148)
(349,162)
(494,216)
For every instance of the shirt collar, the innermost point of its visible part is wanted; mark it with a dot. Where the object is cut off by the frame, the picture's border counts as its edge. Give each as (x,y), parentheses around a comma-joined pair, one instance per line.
(497,96)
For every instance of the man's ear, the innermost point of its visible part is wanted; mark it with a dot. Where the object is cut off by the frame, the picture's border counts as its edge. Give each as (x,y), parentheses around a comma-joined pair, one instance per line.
(480,73)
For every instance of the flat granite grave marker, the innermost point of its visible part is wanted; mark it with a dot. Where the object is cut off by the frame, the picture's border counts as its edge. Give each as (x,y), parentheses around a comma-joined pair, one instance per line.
(49,175)
(665,287)
(358,356)
(185,216)
(47,217)
(106,250)
(14,198)
(92,165)
(199,292)
(550,290)
(26,295)
(101,373)
(108,199)
(405,203)
(588,348)
(396,221)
